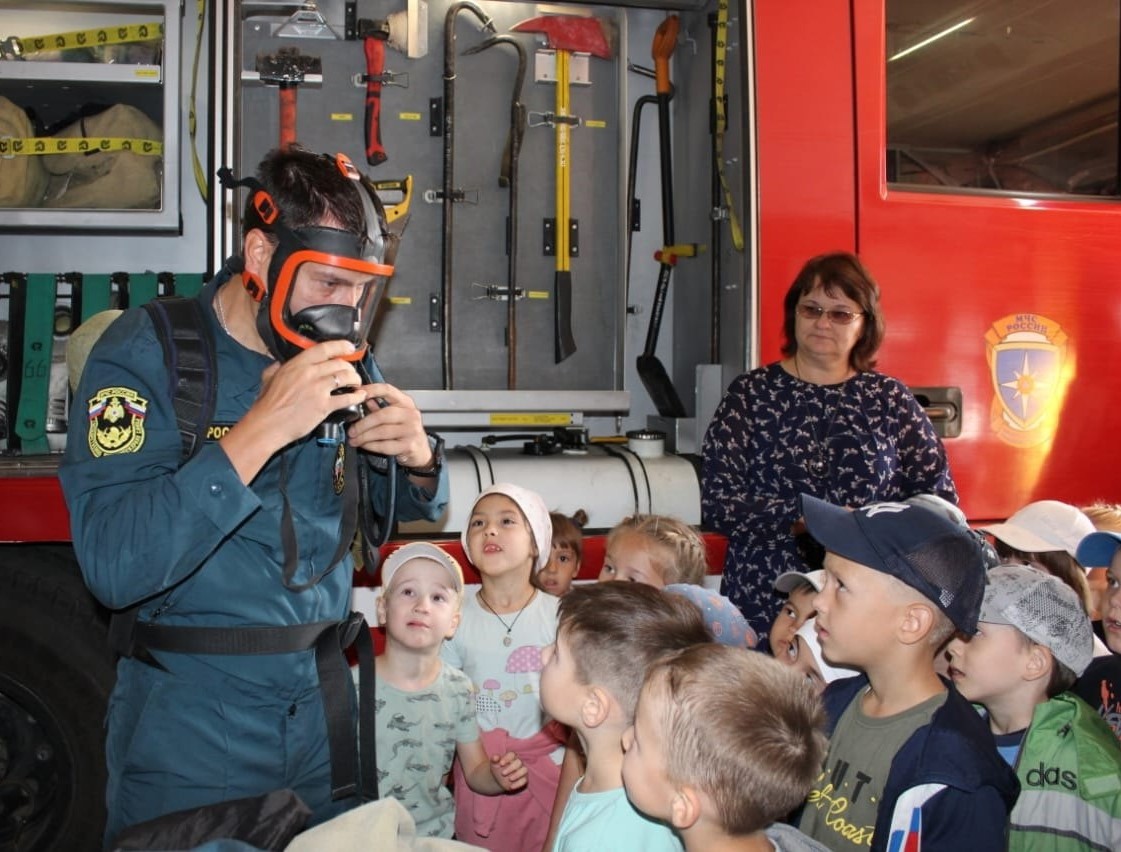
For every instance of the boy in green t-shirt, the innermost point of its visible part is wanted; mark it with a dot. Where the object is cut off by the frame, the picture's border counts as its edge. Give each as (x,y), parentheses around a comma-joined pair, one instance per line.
(910,763)
(425,708)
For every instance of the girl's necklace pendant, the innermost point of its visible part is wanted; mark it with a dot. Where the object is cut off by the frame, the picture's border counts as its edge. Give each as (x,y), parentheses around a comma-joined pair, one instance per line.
(506,640)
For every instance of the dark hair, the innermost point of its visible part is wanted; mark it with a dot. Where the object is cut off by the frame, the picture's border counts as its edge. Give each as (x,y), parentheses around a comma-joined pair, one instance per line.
(309,189)
(615,631)
(745,729)
(568,532)
(839,271)
(1062,676)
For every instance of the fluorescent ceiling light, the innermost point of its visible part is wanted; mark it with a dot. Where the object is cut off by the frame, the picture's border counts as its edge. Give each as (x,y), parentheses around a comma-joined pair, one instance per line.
(933,38)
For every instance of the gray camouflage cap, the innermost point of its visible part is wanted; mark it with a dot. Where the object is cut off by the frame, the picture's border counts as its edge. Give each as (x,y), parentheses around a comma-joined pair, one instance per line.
(1043,608)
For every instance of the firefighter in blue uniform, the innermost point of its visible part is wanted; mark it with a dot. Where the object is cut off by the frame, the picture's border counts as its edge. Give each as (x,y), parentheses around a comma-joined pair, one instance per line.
(250,532)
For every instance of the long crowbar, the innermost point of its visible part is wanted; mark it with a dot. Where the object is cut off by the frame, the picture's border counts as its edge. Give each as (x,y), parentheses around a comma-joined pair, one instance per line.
(565,34)
(449,193)
(508,177)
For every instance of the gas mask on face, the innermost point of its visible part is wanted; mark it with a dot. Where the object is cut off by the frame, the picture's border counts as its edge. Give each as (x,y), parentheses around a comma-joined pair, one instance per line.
(317,264)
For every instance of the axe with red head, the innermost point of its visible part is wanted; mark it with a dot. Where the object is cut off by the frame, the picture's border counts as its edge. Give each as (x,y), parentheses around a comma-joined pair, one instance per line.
(574,33)
(565,34)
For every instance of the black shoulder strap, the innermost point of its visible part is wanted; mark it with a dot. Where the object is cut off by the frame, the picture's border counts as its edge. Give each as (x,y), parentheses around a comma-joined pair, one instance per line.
(188,348)
(188,352)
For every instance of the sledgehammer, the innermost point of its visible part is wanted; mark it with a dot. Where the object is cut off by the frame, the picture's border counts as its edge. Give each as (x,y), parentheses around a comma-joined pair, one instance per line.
(287,69)
(565,34)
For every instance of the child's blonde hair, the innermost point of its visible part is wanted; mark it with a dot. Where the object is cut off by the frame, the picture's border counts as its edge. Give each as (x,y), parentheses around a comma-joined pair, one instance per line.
(1104,516)
(685,559)
(614,631)
(740,726)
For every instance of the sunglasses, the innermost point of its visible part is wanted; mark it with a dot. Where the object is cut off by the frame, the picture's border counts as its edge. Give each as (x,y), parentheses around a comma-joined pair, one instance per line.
(835,315)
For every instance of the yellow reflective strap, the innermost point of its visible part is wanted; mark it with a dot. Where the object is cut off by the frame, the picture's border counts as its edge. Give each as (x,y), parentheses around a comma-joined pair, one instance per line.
(92,38)
(192,119)
(35,146)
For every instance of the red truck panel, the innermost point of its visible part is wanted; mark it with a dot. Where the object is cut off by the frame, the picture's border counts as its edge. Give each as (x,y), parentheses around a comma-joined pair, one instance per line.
(961,273)
(32,510)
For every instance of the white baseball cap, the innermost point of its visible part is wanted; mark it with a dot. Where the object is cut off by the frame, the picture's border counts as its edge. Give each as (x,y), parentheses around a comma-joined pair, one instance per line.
(788,581)
(829,672)
(1044,526)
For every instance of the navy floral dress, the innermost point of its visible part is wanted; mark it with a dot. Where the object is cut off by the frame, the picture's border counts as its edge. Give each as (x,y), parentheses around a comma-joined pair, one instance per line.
(775,436)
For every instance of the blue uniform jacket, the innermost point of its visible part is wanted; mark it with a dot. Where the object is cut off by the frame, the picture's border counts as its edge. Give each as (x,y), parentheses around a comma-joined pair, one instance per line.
(189,540)
(948,788)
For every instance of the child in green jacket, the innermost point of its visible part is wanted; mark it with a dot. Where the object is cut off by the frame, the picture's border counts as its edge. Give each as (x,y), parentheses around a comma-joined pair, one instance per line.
(1033,639)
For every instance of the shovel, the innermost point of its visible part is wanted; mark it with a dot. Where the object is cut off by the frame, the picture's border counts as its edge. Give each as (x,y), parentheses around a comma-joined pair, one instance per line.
(652,372)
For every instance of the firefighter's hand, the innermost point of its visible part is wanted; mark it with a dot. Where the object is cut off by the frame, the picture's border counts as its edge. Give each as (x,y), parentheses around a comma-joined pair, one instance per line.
(392,427)
(295,398)
(297,395)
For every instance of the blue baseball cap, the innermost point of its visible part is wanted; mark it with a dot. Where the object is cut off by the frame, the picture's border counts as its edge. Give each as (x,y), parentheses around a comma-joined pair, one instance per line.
(937,557)
(1096,550)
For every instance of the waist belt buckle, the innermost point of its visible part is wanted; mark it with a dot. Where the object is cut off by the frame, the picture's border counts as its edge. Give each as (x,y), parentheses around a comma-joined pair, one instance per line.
(348,629)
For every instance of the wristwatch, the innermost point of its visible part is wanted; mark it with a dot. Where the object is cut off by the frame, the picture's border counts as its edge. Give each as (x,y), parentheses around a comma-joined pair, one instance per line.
(436,442)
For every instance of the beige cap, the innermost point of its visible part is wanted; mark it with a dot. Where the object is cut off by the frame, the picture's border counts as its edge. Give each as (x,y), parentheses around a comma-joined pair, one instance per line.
(1044,526)
(81,341)
(421,550)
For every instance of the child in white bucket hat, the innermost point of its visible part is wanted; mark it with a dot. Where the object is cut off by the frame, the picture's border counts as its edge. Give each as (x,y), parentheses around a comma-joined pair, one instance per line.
(504,628)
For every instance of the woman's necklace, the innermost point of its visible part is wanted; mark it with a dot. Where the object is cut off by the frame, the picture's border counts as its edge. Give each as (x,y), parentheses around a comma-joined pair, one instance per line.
(506,640)
(818,462)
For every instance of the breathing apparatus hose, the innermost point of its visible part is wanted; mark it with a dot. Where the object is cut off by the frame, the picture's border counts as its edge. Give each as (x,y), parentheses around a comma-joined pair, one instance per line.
(373,535)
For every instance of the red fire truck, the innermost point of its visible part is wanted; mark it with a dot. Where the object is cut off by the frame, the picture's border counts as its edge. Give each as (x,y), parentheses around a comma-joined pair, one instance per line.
(968,151)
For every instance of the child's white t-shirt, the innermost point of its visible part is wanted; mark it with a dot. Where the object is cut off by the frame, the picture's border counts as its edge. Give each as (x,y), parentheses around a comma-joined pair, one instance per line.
(506,678)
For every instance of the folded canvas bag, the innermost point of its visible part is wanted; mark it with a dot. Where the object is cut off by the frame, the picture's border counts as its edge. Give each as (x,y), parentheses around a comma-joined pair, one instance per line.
(107,180)
(22,178)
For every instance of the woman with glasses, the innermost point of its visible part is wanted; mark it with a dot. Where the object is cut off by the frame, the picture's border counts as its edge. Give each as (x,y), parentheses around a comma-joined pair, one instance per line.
(821,421)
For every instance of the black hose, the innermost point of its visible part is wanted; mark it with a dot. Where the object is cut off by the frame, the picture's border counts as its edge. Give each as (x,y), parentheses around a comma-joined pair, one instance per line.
(717,201)
(375,531)
(449,177)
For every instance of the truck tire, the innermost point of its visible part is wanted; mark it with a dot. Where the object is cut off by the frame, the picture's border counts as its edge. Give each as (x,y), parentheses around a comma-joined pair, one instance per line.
(56,673)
